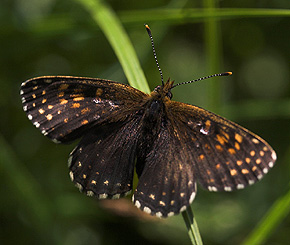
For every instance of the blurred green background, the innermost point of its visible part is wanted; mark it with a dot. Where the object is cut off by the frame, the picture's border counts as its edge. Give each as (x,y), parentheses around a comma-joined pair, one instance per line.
(40,205)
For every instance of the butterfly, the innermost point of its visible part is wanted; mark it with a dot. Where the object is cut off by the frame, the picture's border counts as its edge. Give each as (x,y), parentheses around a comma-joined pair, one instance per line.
(172,145)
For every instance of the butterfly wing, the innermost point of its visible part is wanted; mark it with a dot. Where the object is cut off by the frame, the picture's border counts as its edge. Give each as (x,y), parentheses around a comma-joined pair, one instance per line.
(166,184)
(192,145)
(225,155)
(64,107)
(103,162)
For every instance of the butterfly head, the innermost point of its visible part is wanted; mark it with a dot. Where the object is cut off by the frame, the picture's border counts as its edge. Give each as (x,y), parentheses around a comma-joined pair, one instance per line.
(163,91)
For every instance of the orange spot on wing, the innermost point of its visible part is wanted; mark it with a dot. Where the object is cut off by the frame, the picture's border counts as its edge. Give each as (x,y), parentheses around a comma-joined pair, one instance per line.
(41,111)
(258,161)
(252,153)
(78,98)
(220,139)
(201,157)
(233,172)
(85,122)
(63,101)
(245,171)
(238,138)
(48,117)
(61,94)
(219,148)
(225,134)
(75,105)
(231,151)
(237,146)
(239,162)
(85,110)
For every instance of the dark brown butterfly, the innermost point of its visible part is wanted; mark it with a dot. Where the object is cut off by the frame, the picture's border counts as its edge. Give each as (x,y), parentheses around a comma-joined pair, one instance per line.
(173,144)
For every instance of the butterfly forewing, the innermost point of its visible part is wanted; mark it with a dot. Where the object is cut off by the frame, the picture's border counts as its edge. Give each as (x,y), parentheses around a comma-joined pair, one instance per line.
(225,155)
(63,108)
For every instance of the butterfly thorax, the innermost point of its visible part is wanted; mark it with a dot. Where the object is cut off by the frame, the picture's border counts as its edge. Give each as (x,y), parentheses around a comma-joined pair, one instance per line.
(155,106)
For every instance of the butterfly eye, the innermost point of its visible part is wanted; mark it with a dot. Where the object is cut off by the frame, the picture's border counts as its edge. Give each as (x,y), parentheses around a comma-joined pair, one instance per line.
(157,89)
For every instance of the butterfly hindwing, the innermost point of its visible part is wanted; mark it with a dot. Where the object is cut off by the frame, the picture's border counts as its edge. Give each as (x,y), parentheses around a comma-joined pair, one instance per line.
(226,155)
(167,184)
(103,162)
(64,107)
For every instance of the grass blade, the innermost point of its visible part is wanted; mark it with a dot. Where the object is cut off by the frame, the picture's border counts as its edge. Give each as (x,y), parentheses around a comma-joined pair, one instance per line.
(116,35)
(192,228)
(191,15)
(272,219)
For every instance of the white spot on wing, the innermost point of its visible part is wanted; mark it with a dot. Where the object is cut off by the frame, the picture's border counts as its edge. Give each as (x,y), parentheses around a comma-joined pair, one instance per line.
(137,204)
(274,156)
(36,124)
(228,188)
(90,193)
(240,186)
(192,196)
(260,176)
(44,132)
(71,175)
(212,188)
(251,182)
(103,196)
(69,161)
(56,141)
(116,196)
(29,117)
(203,131)
(183,208)
(79,186)
(159,214)
(147,210)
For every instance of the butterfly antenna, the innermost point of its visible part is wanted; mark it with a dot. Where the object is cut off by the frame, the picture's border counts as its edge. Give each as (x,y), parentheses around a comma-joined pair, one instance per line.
(203,78)
(154,52)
